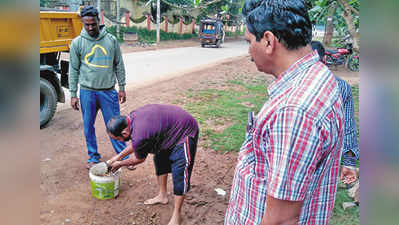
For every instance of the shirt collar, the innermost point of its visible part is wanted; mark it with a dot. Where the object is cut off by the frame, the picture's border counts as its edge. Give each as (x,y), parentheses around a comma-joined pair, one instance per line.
(277,85)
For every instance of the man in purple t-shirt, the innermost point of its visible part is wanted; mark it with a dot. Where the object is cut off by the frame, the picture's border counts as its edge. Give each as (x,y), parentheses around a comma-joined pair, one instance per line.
(168,132)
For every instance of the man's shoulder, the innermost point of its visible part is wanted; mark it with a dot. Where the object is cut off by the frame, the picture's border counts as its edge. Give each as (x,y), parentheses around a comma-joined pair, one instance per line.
(314,94)
(110,36)
(343,85)
(76,41)
(77,38)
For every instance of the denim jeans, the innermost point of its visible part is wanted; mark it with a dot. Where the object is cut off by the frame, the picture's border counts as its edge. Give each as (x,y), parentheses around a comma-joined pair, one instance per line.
(90,102)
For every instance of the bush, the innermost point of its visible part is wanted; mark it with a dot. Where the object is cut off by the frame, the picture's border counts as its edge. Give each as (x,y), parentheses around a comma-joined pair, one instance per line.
(146,36)
(236,33)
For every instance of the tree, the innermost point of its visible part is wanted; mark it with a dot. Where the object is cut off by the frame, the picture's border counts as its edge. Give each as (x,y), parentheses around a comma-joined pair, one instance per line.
(202,8)
(329,28)
(343,14)
(45,3)
(350,13)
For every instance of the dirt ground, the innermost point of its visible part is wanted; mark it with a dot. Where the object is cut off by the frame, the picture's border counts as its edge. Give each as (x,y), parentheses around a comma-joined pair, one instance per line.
(64,182)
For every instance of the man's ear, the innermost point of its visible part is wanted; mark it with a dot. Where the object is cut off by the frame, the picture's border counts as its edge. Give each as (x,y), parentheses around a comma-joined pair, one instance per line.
(269,39)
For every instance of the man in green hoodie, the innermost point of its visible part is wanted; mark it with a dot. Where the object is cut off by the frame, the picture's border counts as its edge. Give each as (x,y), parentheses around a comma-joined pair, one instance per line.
(95,64)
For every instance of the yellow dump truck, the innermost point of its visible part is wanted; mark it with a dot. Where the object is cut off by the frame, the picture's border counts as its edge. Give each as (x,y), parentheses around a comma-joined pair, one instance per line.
(57,30)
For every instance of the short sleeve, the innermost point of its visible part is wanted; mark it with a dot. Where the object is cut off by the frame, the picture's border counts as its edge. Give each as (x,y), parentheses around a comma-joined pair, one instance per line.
(140,154)
(141,148)
(292,152)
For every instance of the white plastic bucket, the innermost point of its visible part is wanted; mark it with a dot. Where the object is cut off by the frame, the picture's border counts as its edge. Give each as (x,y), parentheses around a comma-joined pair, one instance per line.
(105,187)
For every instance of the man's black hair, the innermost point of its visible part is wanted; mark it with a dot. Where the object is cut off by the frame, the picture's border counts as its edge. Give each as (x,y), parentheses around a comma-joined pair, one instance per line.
(116,125)
(89,11)
(288,20)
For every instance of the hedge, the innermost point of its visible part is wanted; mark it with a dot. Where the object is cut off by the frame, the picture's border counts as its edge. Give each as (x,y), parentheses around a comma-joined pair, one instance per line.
(147,36)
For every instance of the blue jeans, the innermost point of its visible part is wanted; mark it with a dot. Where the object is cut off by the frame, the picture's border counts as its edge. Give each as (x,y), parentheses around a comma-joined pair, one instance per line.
(90,103)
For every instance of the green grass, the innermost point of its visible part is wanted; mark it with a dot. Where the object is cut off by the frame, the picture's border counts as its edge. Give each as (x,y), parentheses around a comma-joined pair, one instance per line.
(222,114)
(355,94)
(340,216)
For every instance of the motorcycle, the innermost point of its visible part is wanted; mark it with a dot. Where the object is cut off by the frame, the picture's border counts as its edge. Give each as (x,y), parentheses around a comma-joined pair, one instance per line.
(342,56)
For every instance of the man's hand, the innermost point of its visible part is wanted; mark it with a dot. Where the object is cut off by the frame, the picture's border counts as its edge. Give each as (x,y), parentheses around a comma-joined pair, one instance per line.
(122,96)
(75,103)
(112,160)
(115,166)
(348,175)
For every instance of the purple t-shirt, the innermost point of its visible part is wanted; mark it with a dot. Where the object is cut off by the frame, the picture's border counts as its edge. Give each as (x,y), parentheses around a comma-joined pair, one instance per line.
(155,128)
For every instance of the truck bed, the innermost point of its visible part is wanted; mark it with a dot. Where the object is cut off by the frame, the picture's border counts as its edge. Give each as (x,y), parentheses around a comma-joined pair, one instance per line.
(57,30)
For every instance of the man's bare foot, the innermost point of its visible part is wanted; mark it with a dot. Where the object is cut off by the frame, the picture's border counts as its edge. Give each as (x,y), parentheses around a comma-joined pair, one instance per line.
(157,200)
(175,220)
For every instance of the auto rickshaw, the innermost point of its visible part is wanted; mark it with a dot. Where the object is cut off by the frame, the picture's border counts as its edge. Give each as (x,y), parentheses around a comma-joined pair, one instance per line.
(211,32)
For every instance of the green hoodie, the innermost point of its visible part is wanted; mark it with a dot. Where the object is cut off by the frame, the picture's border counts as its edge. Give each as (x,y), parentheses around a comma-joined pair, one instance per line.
(95,62)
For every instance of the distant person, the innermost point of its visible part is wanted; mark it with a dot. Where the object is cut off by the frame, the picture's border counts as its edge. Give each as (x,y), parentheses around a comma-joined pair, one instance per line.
(288,166)
(95,64)
(350,146)
(168,132)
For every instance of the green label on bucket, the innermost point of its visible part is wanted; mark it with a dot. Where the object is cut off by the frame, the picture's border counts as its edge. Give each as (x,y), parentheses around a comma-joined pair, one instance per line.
(102,190)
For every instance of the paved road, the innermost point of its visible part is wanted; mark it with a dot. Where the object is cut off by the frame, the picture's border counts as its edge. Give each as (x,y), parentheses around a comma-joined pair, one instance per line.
(143,68)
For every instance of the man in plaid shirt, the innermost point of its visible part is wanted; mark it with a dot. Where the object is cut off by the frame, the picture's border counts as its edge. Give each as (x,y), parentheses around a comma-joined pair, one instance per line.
(288,166)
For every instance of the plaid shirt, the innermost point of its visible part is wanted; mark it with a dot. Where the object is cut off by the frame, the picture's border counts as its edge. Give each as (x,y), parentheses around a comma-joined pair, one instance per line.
(350,138)
(292,151)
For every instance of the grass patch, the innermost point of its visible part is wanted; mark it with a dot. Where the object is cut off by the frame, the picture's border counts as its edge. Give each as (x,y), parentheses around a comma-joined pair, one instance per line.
(355,94)
(222,112)
(340,216)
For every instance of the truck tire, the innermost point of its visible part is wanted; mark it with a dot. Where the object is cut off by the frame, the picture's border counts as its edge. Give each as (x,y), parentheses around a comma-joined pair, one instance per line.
(48,101)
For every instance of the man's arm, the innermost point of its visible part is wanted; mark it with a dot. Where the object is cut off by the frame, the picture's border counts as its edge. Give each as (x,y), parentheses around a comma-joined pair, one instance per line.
(120,73)
(281,212)
(292,154)
(115,162)
(351,151)
(73,77)
(127,151)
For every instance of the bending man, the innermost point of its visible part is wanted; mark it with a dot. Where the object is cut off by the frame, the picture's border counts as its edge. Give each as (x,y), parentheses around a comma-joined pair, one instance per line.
(168,132)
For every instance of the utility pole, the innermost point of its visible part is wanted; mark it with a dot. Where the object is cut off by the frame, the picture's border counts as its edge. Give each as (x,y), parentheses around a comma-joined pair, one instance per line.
(158,20)
(118,11)
(99,6)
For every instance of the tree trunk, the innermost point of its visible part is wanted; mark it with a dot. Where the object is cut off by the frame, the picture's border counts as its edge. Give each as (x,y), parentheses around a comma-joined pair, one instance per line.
(347,15)
(329,28)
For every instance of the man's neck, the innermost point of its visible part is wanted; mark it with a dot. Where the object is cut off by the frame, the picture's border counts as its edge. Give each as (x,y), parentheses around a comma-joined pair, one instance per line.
(95,36)
(285,58)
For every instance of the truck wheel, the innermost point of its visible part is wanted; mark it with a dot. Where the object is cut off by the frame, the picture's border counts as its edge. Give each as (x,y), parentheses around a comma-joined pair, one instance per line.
(48,101)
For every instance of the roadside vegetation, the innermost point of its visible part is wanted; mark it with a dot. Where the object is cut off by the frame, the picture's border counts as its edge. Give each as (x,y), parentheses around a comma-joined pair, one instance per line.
(222,112)
(146,36)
